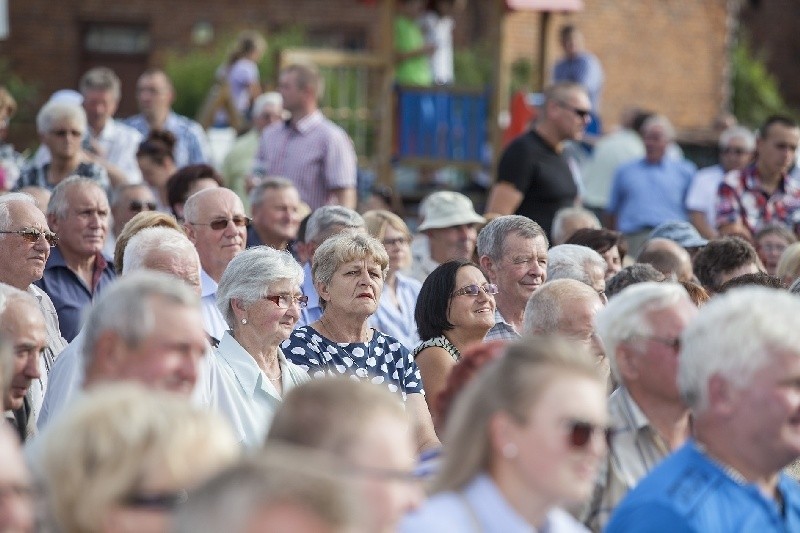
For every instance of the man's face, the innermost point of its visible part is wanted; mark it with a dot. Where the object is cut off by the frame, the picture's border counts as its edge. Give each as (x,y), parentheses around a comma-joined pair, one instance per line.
(23,327)
(82,231)
(277,217)
(154,94)
(735,155)
(455,242)
(64,138)
(521,270)
(100,105)
(132,201)
(571,115)
(22,262)
(776,150)
(269,115)
(656,141)
(16,501)
(597,277)
(217,247)
(168,358)
(293,96)
(577,322)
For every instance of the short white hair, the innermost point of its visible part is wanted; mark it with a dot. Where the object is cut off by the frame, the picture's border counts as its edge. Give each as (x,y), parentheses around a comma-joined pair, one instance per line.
(5,202)
(738,132)
(53,111)
(269,99)
(155,239)
(734,335)
(544,310)
(324,218)
(557,230)
(58,205)
(626,314)
(572,261)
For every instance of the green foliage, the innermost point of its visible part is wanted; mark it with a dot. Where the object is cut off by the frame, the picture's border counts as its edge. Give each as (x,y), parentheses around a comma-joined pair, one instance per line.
(756,95)
(192,73)
(473,66)
(25,93)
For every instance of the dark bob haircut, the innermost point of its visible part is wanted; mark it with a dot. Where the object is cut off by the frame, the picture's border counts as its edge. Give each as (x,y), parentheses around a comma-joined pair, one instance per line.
(181,182)
(600,240)
(433,301)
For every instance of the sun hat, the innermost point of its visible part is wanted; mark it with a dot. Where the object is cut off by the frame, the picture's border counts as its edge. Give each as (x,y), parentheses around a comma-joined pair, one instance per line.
(681,232)
(445,209)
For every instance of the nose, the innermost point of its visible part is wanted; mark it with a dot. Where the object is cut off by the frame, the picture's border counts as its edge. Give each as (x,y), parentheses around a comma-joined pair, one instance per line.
(188,368)
(32,367)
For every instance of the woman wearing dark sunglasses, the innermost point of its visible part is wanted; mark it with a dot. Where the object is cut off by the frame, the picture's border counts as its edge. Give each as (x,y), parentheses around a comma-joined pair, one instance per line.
(259,296)
(525,439)
(455,308)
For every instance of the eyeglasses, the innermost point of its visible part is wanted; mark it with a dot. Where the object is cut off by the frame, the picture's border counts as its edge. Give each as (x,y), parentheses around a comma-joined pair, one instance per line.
(283,301)
(222,223)
(581,433)
(166,501)
(66,132)
(398,241)
(32,235)
(138,206)
(735,150)
(474,289)
(672,342)
(583,114)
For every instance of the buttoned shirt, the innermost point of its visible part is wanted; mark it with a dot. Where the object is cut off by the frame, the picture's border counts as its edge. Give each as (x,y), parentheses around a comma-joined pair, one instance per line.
(702,194)
(501,330)
(316,154)
(422,264)
(480,507)
(741,198)
(636,448)
(585,69)
(399,321)
(244,394)
(192,147)
(213,321)
(36,176)
(69,293)
(313,310)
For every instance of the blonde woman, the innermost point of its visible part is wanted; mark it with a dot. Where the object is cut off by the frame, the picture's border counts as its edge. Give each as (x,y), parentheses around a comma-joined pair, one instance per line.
(395,314)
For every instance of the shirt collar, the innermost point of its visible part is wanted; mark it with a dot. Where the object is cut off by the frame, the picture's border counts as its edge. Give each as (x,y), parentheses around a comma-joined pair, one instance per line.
(636,416)
(207,285)
(490,506)
(55,259)
(308,122)
(247,372)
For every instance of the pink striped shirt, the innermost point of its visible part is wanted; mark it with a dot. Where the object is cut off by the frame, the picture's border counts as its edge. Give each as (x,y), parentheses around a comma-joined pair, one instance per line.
(316,154)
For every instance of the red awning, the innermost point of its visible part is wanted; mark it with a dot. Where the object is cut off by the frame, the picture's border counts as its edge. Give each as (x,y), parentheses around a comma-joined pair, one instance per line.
(545,5)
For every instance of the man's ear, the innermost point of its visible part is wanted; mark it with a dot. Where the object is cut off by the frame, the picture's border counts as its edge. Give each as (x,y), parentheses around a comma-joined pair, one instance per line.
(108,356)
(190,232)
(488,267)
(626,360)
(721,395)
(52,222)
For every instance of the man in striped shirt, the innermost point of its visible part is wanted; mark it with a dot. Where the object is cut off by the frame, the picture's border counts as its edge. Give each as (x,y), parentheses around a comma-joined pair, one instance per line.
(313,152)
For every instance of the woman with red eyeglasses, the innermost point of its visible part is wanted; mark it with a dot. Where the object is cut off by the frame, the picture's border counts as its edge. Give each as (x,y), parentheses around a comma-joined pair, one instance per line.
(523,441)
(259,296)
(455,309)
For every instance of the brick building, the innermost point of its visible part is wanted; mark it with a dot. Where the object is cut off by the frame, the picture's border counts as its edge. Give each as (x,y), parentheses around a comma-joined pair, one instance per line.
(667,55)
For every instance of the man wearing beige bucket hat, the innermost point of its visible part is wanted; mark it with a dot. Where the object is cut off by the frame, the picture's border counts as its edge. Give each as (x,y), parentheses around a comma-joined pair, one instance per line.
(448,229)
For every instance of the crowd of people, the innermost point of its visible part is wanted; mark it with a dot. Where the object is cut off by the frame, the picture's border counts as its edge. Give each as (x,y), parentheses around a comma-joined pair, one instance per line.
(189,350)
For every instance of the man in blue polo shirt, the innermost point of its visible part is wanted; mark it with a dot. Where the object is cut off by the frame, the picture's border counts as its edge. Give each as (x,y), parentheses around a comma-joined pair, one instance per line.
(739,373)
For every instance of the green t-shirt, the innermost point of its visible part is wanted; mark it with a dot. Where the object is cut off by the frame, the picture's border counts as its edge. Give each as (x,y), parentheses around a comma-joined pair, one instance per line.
(408,37)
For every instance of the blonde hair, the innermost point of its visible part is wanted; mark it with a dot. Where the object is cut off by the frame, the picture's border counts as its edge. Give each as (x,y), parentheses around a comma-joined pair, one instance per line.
(377,220)
(512,385)
(789,263)
(145,219)
(116,437)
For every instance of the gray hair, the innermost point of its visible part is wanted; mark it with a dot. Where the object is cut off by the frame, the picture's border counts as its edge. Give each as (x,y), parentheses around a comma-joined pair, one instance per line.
(269,99)
(191,208)
(278,475)
(249,275)
(557,230)
(626,315)
(126,308)
(156,239)
(734,335)
(662,122)
(6,199)
(100,79)
(325,219)
(270,183)
(738,132)
(6,368)
(543,312)
(55,111)
(9,294)
(492,237)
(572,261)
(58,205)
(118,193)
(345,247)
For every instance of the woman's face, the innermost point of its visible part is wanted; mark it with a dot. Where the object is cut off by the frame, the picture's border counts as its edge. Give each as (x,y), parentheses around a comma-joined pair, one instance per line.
(268,320)
(398,246)
(613,261)
(770,247)
(355,287)
(467,311)
(546,462)
(64,138)
(153,173)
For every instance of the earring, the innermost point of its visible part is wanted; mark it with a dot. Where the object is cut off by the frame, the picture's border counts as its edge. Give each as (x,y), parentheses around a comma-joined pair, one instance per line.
(244,321)
(510,450)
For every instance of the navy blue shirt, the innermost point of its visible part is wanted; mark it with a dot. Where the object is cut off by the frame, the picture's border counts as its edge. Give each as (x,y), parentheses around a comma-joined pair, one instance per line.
(688,492)
(69,293)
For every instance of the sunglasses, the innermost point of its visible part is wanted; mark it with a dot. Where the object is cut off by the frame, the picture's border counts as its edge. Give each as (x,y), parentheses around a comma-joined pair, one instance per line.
(583,114)
(399,241)
(283,301)
(222,223)
(64,133)
(166,501)
(32,235)
(474,289)
(581,433)
(138,206)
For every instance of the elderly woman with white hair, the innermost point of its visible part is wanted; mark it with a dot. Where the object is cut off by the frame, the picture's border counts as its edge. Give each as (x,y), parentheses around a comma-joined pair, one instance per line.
(259,297)
(581,263)
(349,270)
(62,127)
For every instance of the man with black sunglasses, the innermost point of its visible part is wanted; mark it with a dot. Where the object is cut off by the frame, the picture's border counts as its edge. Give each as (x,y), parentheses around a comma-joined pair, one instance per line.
(127,201)
(25,245)
(641,328)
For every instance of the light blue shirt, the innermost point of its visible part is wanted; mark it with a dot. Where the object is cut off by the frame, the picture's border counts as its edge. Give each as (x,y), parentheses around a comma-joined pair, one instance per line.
(213,321)
(242,393)
(313,311)
(399,322)
(192,144)
(480,508)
